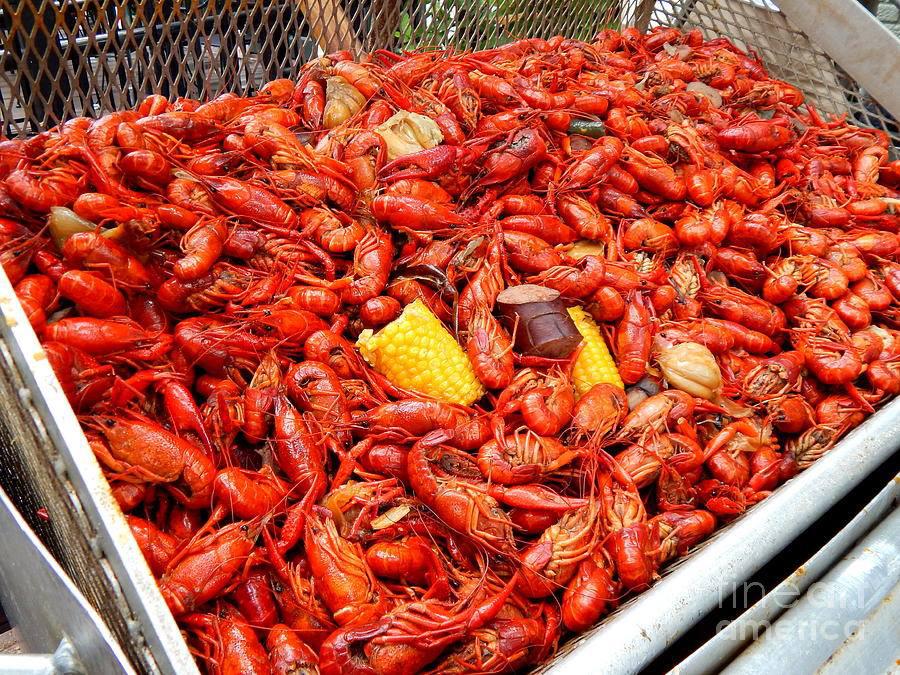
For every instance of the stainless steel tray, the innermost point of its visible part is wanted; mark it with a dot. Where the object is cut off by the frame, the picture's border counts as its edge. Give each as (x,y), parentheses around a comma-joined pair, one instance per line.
(847,622)
(49,612)
(644,627)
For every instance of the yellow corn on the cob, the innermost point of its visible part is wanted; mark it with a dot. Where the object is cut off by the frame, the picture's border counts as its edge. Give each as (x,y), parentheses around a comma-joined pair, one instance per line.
(594,364)
(415,351)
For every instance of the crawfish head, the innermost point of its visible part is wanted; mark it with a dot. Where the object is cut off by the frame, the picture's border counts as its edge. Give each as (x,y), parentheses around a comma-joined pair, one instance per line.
(721,499)
(432,276)
(457,464)
(766,380)
(520,152)
(812,444)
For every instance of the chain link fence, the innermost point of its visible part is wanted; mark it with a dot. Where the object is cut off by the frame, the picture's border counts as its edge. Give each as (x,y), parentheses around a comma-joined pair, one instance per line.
(84,57)
(66,58)
(757,25)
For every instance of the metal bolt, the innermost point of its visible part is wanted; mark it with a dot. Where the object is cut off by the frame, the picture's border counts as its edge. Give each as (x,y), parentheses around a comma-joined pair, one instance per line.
(134,629)
(59,467)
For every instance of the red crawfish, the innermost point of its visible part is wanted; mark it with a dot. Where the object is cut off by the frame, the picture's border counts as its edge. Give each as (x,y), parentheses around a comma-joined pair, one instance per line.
(634,339)
(756,136)
(228,642)
(144,450)
(461,503)
(408,637)
(207,567)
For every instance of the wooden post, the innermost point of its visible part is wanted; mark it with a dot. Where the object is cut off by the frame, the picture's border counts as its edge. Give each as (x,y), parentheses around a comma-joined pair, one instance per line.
(330,26)
(385,22)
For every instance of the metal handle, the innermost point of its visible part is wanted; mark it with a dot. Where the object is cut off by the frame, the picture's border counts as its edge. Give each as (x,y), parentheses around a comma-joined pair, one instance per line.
(64,661)
(49,611)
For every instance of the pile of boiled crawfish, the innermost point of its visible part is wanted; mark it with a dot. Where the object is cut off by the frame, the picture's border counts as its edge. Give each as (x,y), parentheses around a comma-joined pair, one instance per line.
(198,274)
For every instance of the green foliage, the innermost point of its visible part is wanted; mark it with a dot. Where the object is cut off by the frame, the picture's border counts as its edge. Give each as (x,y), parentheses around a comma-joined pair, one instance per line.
(482,24)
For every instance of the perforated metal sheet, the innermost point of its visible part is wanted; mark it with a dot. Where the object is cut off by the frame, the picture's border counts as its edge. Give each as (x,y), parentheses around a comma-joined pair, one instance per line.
(33,473)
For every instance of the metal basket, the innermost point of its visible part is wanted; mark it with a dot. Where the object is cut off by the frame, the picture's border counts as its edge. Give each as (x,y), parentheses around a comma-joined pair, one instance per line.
(87,57)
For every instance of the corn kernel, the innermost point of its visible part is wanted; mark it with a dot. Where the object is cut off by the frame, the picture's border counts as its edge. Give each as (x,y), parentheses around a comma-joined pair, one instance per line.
(415,351)
(594,364)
